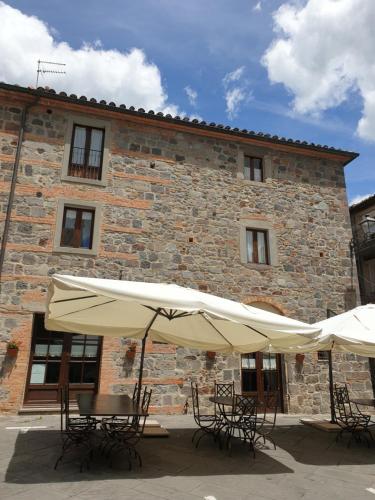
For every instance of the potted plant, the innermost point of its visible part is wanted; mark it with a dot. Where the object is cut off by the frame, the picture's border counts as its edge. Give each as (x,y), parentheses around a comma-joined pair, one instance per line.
(12,349)
(300,358)
(211,354)
(130,353)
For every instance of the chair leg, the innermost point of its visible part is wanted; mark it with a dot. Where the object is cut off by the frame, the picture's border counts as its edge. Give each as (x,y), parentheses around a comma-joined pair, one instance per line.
(195,433)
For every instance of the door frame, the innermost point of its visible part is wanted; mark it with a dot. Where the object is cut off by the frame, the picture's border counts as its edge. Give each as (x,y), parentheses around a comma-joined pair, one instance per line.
(280,369)
(64,369)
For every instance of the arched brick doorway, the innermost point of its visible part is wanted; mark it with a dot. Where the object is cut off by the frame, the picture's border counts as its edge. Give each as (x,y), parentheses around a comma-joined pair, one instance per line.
(261,373)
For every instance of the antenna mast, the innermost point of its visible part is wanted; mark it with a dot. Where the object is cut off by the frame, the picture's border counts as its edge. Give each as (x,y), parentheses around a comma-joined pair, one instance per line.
(43,71)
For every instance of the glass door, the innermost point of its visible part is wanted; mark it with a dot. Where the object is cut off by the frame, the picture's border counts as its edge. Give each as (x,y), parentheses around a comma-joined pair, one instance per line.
(261,374)
(57,358)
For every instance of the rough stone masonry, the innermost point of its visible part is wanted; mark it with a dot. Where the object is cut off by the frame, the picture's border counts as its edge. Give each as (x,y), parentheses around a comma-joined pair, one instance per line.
(173,203)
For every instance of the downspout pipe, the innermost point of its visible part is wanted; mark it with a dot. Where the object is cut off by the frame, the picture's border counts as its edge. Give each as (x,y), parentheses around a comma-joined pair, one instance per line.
(4,239)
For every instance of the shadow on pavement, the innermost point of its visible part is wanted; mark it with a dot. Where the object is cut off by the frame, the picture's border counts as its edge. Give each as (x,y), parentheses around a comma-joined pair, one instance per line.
(36,451)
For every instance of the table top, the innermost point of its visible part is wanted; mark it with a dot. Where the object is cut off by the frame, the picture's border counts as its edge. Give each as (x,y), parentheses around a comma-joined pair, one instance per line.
(108,405)
(364,402)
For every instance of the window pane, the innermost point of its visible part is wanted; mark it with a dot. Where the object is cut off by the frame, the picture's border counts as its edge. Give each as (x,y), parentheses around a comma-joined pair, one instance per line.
(67,237)
(77,351)
(257,163)
(89,373)
(75,370)
(91,351)
(269,361)
(55,349)
(270,380)
(53,372)
(96,148)
(262,258)
(248,361)
(38,371)
(249,381)
(246,168)
(249,246)
(79,141)
(41,349)
(86,227)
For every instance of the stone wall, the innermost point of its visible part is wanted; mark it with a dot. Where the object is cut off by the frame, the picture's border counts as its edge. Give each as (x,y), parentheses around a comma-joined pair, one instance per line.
(172,211)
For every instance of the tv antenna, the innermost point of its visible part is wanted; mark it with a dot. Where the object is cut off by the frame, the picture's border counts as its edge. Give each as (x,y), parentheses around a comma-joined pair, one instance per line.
(42,70)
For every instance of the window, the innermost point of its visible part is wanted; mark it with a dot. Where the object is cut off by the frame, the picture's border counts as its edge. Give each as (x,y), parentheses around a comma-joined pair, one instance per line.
(77,228)
(257,246)
(86,153)
(253,169)
(323,355)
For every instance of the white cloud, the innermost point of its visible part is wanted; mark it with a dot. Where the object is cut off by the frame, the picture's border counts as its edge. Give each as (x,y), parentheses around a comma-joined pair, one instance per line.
(323,51)
(90,70)
(237,91)
(192,95)
(233,76)
(359,198)
(258,7)
(233,99)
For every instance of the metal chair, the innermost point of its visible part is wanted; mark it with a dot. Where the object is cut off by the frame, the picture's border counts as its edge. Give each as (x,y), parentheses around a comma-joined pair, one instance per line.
(265,424)
(125,437)
(223,390)
(75,432)
(349,418)
(242,420)
(207,424)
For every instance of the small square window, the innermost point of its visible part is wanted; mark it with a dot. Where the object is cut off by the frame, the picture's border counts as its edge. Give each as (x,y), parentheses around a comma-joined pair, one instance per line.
(257,246)
(77,227)
(253,169)
(323,355)
(86,152)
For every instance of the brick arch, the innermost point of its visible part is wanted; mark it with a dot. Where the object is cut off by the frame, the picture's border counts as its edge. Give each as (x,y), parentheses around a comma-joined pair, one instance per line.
(256,301)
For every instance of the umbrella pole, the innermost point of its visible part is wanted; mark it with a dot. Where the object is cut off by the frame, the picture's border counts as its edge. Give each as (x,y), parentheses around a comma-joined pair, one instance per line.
(140,376)
(333,416)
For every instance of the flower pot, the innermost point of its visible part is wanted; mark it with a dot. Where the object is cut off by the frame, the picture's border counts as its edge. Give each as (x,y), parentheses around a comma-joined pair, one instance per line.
(12,352)
(300,358)
(130,353)
(211,354)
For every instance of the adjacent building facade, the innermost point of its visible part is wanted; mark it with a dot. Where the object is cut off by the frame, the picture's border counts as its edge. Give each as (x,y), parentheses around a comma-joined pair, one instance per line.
(105,191)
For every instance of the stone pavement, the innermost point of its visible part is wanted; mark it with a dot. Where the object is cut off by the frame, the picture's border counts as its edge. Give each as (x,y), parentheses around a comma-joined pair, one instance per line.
(307,464)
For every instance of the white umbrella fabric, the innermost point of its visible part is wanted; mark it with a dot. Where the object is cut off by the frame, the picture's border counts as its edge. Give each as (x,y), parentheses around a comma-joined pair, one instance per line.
(352,331)
(167,313)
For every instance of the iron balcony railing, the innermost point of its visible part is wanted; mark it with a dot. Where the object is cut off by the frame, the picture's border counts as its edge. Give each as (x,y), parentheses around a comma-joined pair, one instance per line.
(86,163)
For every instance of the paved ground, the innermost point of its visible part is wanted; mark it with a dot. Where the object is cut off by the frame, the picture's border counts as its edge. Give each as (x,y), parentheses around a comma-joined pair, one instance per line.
(307,464)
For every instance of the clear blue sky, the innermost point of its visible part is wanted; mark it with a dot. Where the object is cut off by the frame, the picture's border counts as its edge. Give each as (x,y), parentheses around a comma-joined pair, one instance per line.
(195,44)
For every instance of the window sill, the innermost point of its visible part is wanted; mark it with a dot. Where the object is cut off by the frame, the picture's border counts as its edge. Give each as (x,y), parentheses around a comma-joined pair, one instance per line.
(88,252)
(84,180)
(259,267)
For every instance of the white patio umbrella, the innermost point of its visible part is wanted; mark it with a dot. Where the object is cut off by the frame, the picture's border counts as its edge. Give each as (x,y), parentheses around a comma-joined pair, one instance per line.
(167,313)
(352,331)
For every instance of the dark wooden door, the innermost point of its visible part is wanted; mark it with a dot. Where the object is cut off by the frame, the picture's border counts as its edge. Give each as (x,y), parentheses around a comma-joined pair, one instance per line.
(58,358)
(261,375)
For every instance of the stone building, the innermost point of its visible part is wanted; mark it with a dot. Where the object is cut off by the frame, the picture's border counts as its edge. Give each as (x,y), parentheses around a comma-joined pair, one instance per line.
(107,191)
(362,217)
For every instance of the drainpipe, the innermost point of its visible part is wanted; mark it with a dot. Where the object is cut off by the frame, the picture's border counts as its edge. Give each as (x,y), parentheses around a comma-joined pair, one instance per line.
(21,131)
